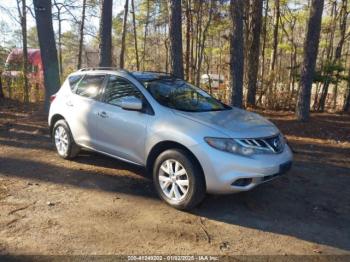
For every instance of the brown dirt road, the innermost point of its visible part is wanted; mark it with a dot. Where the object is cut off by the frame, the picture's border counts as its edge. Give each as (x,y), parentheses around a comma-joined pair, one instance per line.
(98,205)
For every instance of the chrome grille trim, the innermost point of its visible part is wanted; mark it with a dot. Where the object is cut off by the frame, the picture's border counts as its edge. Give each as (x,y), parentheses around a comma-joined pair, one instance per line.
(270,144)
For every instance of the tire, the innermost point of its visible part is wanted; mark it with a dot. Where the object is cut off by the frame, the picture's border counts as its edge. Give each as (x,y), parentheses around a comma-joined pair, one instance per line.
(71,149)
(173,180)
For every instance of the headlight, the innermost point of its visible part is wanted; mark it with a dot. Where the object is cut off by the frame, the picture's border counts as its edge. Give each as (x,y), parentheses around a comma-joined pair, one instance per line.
(229,145)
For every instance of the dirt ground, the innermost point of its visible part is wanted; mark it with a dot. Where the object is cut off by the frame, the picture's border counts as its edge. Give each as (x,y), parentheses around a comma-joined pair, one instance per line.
(98,205)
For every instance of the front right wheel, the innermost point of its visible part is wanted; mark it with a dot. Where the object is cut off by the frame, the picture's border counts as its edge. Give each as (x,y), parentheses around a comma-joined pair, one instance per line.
(179,180)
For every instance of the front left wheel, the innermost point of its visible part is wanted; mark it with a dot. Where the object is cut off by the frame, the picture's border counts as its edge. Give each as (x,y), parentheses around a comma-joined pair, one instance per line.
(179,180)
(64,142)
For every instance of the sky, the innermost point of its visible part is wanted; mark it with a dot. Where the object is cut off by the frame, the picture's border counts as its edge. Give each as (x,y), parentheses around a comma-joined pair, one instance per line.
(8,11)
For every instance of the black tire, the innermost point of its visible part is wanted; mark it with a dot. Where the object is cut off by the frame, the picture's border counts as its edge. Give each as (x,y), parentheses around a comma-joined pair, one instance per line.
(196,189)
(72,149)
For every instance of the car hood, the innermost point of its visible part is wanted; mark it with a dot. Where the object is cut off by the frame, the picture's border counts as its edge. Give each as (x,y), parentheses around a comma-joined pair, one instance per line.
(235,123)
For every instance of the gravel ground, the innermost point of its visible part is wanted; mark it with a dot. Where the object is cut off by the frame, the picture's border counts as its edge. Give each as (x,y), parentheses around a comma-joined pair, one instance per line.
(98,205)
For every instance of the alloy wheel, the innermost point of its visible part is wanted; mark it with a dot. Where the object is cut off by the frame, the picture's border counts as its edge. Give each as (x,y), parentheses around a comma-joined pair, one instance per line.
(61,140)
(173,180)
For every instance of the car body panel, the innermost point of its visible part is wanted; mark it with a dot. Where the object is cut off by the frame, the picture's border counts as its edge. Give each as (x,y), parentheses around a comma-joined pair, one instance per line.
(122,132)
(235,123)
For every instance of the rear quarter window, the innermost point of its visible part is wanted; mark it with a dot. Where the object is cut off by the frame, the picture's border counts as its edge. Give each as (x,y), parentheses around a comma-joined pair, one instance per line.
(74,80)
(89,86)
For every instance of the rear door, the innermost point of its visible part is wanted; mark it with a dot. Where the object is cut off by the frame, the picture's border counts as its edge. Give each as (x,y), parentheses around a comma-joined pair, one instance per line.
(122,132)
(83,107)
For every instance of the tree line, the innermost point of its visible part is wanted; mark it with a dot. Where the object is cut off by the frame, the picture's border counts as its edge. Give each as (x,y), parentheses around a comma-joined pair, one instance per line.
(278,54)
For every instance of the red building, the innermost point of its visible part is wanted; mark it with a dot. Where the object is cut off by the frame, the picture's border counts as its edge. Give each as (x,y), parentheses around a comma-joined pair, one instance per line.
(14,63)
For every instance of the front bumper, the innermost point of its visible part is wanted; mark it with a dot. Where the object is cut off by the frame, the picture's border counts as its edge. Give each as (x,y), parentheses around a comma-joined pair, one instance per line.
(229,173)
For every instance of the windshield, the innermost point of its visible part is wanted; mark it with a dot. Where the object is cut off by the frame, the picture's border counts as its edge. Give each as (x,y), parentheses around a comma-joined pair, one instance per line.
(180,95)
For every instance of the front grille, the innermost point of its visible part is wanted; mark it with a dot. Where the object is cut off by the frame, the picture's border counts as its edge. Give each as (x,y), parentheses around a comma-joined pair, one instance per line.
(273,144)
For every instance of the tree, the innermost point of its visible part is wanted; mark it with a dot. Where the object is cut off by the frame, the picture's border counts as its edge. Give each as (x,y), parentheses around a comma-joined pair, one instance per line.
(188,38)
(62,9)
(81,33)
(329,56)
(145,35)
(175,35)
(263,56)
(201,40)
(122,50)
(311,49)
(1,91)
(22,12)
(346,106)
(338,51)
(43,17)
(135,35)
(236,52)
(59,7)
(106,33)
(254,50)
(275,34)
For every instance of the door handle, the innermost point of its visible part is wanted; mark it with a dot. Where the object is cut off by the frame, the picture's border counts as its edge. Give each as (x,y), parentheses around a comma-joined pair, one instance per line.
(69,103)
(102,114)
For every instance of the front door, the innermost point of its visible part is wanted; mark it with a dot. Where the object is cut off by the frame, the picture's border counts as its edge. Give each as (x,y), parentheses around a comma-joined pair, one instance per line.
(121,132)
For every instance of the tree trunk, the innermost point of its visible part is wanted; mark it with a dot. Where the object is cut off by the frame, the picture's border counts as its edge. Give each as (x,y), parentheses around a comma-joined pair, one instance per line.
(166,44)
(324,93)
(190,78)
(236,53)
(59,42)
(201,44)
(247,17)
(122,50)
(25,51)
(22,12)
(346,106)
(310,56)
(145,36)
(46,36)
(106,33)
(135,35)
(254,51)
(1,89)
(175,36)
(81,35)
(275,34)
(188,38)
(339,48)
(263,53)
(198,34)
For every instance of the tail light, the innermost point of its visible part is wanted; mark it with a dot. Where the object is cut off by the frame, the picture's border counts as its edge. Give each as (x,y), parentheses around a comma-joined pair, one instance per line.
(52,98)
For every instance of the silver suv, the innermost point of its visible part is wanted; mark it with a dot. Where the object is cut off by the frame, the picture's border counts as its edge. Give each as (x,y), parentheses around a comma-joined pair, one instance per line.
(189,141)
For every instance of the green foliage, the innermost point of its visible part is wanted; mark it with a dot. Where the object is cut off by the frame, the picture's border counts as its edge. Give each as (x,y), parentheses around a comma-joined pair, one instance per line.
(332,68)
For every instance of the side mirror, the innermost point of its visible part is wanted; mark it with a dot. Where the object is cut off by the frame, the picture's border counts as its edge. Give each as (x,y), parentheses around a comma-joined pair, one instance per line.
(131,103)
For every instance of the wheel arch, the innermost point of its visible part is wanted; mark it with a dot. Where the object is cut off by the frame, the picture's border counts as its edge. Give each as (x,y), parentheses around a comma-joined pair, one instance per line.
(162,146)
(53,120)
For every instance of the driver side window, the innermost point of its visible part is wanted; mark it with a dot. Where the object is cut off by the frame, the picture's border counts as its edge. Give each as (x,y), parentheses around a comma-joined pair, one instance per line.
(118,88)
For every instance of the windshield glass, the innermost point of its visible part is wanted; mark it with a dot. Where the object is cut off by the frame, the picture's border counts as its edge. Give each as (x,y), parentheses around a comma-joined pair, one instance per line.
(180,95)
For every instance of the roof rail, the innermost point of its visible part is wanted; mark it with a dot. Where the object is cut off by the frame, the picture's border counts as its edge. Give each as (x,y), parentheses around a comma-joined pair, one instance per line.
(157,72)
(101,68)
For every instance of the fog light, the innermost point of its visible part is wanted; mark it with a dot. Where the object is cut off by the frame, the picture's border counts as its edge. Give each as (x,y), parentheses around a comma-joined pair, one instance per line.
(242,182)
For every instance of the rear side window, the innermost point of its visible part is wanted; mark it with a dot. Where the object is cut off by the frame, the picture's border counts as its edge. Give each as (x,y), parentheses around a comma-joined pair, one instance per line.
(118,88)
(74,80)
(89,86)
